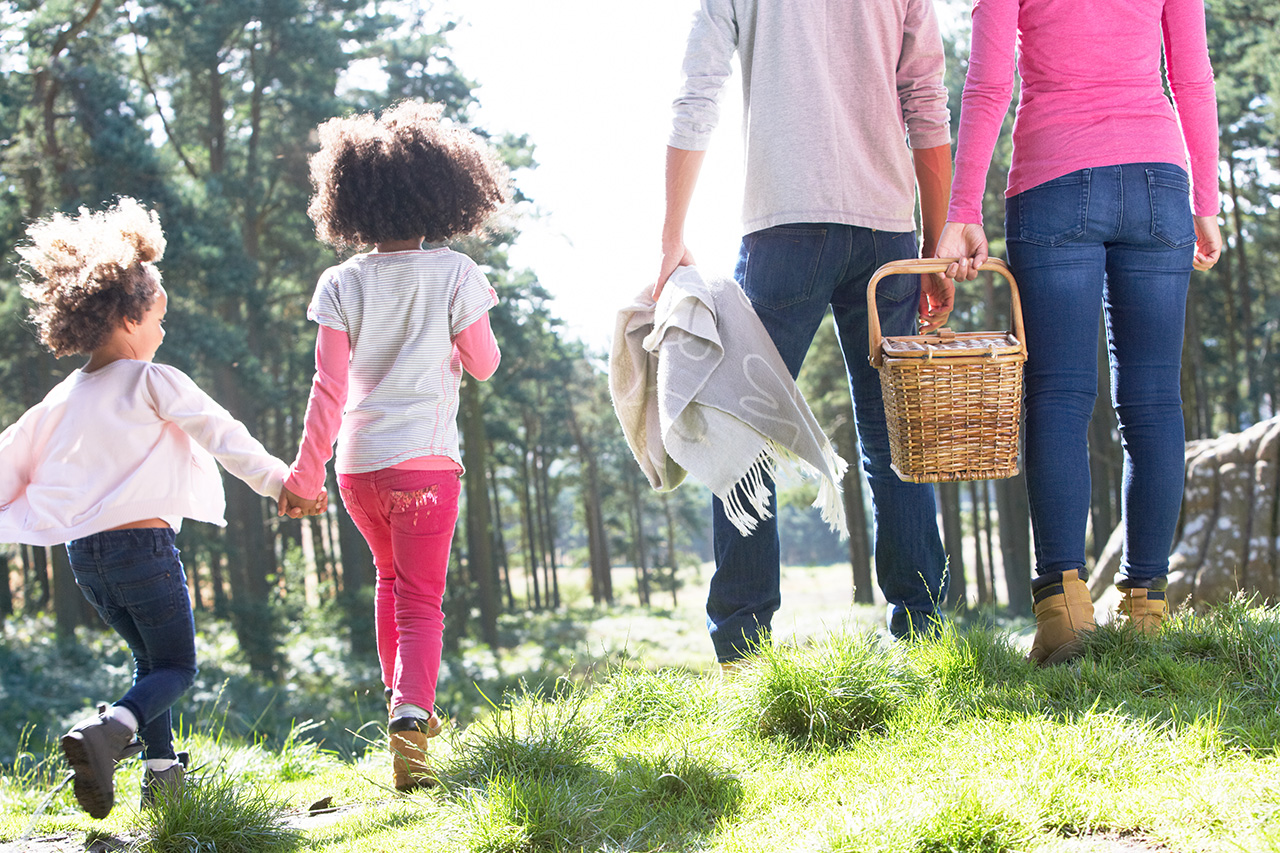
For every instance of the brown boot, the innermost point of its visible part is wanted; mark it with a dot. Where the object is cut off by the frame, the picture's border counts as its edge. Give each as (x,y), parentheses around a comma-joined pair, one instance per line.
(409,752)
(1064,614)
(92,749)
(1144,609)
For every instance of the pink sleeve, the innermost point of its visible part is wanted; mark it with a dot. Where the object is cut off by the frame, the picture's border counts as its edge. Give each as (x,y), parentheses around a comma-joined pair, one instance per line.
(1186,53)
(478,348)
(988,88)
(324,413)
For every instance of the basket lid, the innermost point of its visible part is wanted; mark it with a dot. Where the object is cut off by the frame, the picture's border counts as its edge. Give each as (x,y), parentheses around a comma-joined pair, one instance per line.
(950,345)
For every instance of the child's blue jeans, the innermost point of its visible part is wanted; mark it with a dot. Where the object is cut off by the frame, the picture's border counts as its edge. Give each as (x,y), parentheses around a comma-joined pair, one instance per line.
(134,579)
(1119,239)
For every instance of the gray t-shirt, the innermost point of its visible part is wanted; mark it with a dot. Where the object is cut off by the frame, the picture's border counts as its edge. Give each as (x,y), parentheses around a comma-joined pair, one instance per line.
(833,93)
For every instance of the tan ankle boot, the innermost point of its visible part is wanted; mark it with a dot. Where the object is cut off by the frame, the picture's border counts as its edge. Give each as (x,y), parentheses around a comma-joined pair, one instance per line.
(409,753)
(1064,614)
(1144,609)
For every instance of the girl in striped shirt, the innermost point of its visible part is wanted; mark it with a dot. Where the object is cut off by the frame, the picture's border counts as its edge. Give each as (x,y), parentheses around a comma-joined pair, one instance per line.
(397,326)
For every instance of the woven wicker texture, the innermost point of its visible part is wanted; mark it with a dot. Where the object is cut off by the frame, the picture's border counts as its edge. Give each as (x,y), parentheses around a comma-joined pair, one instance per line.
(952,401)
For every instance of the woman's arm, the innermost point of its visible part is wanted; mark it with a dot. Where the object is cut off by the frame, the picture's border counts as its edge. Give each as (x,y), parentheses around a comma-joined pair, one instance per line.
(1186,53)
(988,88)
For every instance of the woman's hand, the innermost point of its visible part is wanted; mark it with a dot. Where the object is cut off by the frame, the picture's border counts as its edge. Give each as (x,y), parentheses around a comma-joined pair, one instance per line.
(967,244)
(1208,242)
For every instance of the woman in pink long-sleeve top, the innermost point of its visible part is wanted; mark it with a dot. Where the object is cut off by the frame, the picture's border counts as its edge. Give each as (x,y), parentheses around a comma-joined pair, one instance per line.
(1112,200)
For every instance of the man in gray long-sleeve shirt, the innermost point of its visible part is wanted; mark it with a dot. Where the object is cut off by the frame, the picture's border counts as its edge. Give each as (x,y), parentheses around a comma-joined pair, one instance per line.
(833,91)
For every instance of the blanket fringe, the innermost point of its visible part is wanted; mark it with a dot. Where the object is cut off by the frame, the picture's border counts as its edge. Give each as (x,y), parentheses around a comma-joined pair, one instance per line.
(751,491)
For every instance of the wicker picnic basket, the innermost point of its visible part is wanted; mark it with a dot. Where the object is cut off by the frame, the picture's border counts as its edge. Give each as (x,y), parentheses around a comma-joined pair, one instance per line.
(952,400)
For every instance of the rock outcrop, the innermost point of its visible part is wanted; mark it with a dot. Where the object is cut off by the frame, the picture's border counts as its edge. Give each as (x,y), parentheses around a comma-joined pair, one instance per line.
(1229,533)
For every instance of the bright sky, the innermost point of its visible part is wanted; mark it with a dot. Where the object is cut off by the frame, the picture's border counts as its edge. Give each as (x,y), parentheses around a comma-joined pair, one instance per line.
(592,84)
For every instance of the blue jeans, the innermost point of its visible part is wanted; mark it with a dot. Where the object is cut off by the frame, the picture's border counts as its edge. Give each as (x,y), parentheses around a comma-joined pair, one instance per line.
(791,273)
(1120,238)
(134,579)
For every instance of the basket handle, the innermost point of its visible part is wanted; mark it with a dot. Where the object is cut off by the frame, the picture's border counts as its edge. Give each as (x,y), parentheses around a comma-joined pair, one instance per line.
(922,266)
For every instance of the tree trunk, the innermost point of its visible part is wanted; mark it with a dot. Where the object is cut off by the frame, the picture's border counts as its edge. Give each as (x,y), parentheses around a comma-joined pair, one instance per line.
(542,481)
(67,597)
(359,579)
(480,560)
(592,505)
(6,588)
(639,548)
(673,563)
(1015,541)
(40,575)
(979,566)
(531,550)
(1195,399)
(501,543)
(984,492)
(953,539)
(855,512)
(1243,282)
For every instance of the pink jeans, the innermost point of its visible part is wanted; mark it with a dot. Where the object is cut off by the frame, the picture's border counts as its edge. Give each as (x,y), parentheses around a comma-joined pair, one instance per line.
(407,517)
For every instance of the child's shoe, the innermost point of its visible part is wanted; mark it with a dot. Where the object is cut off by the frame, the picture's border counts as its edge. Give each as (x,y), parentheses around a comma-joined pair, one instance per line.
(164,783)
(409,752)
(92,749)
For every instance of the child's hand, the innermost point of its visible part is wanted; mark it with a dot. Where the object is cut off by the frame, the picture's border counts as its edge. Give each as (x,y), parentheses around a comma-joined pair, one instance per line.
(294,506)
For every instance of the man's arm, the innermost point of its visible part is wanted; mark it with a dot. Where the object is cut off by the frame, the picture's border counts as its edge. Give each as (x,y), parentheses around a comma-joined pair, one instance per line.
(682,176)
(933,177)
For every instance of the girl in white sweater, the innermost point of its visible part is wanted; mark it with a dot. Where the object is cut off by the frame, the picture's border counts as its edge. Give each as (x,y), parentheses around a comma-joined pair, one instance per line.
(110,462)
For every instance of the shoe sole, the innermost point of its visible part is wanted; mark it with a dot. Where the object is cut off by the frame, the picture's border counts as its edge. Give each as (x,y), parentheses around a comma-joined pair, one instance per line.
(89,794)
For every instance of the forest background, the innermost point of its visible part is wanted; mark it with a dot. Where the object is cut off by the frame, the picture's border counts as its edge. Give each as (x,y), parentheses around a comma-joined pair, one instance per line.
(206,112)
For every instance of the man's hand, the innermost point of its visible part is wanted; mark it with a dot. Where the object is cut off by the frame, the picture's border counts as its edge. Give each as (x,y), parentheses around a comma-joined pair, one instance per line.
(673,257)
(937,298)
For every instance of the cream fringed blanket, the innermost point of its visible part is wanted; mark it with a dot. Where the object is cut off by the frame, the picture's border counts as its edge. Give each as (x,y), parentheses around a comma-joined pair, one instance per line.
(699,388)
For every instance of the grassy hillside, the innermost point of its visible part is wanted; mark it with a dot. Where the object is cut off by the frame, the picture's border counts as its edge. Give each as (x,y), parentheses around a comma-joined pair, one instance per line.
(842,743)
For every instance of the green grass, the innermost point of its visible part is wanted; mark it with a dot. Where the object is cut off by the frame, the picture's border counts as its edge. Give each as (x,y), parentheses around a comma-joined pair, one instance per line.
(845,743)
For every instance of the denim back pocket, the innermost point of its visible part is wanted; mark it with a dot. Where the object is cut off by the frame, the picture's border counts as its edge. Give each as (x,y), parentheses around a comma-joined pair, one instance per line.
(782,264)
(152,601)
(1051,213)
(1171,221)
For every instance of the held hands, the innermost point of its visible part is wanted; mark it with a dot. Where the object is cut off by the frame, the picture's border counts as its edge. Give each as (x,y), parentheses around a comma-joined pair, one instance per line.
(295,507)
(1208,242)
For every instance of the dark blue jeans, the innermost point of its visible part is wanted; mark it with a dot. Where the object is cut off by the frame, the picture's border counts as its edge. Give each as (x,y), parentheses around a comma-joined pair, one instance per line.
(791,273)
(1119,238)
(134,579)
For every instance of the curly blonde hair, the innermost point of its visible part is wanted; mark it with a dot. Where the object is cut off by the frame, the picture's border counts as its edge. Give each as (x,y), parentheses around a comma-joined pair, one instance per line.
(92,272)
(404,175)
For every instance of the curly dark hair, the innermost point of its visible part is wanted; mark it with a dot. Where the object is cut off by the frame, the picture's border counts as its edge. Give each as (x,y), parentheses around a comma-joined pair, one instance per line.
(404,175)
(91,273)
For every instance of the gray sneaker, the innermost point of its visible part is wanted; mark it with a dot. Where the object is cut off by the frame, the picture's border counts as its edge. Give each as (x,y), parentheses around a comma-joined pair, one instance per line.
(92,749)
(164,783)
